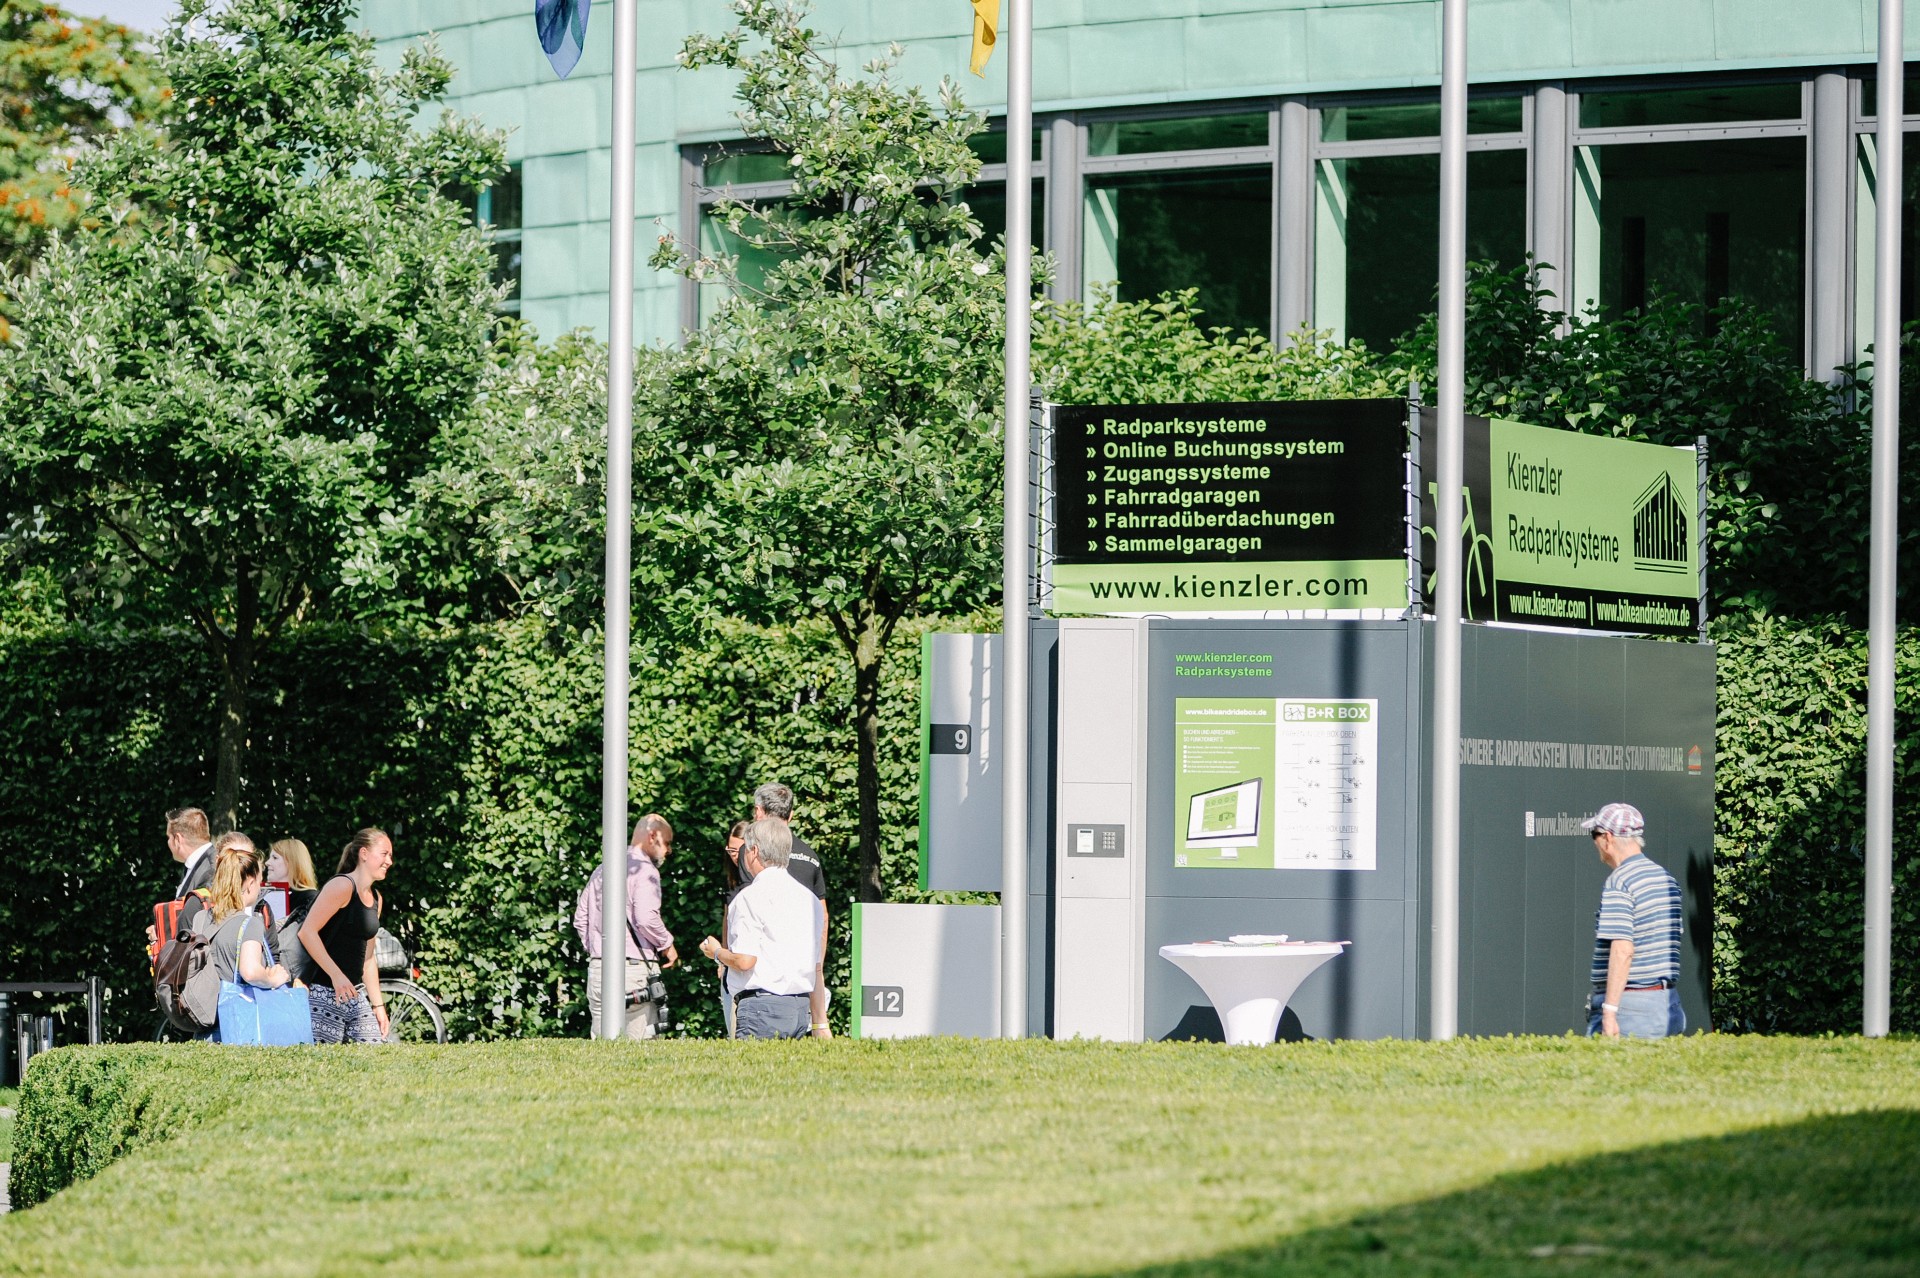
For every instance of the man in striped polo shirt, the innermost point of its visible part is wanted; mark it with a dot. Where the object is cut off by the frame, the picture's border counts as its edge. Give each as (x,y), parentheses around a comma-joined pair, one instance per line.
(1636,948)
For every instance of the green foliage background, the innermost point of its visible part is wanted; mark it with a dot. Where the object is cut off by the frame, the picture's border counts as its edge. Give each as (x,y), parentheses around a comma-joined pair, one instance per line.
(479,751)
(1789,805)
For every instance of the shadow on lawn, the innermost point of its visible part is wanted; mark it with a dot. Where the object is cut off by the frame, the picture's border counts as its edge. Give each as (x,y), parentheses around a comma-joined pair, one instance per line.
(1835,1194)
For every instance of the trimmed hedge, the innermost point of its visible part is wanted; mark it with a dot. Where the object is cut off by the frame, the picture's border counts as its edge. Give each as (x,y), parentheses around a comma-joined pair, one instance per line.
(1790,817)
(480,751)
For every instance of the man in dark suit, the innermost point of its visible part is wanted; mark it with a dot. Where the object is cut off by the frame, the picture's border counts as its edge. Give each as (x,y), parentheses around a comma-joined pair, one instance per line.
(190,840)
(191,843)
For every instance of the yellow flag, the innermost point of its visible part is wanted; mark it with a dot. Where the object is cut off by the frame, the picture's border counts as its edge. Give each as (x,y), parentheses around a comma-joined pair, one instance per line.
(986,25)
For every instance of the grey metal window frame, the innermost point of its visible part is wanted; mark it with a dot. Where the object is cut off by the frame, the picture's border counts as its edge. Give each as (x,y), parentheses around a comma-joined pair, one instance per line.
(1861,125)
(1550,134)
(1318,149)
(696,196)
(1815,321)
(483,218)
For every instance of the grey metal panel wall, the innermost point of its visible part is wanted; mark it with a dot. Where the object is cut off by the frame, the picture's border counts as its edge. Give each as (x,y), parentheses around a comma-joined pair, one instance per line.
(1366,993)
(1042,820)
(1528,901)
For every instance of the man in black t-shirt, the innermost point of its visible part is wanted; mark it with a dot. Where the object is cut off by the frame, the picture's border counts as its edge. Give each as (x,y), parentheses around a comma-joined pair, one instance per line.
(803,865)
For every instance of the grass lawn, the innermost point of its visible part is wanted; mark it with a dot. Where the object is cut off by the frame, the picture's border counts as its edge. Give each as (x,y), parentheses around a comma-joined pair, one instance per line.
(9,1098)
(1735,1156)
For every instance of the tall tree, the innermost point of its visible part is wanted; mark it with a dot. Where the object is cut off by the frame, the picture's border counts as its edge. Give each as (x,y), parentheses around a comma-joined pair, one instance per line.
(829,444)
(65,83)
(209,405)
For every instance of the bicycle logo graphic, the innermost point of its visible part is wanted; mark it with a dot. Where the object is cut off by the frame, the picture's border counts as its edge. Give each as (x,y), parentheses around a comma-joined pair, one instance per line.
(1477,552)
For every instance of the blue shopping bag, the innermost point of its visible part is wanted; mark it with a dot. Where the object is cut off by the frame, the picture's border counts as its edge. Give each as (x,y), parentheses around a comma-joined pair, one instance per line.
(264,1017)
(267,1018)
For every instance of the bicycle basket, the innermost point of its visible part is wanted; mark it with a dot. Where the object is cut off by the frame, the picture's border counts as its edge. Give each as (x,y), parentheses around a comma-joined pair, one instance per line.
(389,954)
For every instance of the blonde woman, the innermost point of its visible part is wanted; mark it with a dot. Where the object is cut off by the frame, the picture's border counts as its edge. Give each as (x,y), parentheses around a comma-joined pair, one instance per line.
(239,943)
(289,862)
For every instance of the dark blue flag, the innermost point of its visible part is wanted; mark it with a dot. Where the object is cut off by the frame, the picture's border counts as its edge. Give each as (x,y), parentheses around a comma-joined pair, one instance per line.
(563,31)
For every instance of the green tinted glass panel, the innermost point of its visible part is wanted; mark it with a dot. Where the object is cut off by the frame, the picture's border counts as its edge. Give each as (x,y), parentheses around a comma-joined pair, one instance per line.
(1212,231)
(1870,95)
(754,262)
(503,201)
(742,167)
(1697,104)
(1374,121)
(1189,133)
(1388,242)
(507,259)
(992,147)
(988,200)
(1704,222)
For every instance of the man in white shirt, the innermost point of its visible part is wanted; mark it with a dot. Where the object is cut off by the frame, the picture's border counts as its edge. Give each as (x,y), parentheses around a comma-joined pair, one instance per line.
(773,939)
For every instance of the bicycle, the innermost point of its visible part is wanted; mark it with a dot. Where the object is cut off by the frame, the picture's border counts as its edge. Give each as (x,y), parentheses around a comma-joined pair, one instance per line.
(413,1015)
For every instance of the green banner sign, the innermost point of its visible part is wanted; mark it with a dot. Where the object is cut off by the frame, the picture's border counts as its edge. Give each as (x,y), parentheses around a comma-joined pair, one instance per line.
(1565,529)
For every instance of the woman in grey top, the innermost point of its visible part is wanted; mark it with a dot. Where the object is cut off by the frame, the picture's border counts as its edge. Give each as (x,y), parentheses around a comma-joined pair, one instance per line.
(239,941)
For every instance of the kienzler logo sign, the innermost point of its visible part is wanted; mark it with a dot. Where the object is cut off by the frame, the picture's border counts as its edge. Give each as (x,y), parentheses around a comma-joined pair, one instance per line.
(1565,529)
(1218,508)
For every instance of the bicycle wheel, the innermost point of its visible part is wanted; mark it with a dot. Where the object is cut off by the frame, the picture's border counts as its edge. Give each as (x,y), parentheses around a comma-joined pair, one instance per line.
(412,1014)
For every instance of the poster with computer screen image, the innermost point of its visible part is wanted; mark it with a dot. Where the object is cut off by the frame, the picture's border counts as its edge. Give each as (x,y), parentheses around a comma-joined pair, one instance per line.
(1275,783)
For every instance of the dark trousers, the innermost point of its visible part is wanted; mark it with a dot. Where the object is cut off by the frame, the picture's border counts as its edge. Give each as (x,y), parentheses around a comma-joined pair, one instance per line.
(771,1016)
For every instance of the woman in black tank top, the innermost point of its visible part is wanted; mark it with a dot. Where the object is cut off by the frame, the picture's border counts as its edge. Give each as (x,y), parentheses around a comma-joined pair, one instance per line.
(343,981)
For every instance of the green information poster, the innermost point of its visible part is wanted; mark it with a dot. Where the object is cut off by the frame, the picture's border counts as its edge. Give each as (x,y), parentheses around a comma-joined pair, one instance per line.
(1286,783)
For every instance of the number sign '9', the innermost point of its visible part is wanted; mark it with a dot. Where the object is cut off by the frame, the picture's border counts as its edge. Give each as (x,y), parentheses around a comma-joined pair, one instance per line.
(951,738)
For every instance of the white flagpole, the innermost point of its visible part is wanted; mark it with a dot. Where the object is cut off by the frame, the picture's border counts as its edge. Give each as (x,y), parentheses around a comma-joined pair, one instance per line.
(1876,983)
(1444,957)
(1017,558)
(613,724)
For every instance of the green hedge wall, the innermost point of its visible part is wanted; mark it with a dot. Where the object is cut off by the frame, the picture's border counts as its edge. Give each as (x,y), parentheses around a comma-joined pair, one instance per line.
(479,751)
(1789,856)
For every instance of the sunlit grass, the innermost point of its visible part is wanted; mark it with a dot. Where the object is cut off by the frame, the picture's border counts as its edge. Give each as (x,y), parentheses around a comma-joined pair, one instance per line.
(1704,1155)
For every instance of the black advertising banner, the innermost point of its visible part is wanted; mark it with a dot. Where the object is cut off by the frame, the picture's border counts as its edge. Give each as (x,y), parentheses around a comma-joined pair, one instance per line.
(1566,529)
(1211,508)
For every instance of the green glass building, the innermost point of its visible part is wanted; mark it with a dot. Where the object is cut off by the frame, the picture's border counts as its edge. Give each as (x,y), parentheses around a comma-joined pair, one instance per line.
(1281,156)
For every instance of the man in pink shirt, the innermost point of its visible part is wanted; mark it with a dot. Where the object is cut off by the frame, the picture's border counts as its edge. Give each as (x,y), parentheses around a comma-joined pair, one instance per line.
(649,946)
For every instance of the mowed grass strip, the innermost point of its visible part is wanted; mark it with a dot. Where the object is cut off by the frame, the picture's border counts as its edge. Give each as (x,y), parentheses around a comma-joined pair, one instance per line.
(1708,1155)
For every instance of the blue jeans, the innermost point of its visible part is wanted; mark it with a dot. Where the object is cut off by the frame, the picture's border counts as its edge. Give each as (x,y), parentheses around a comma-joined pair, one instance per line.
(771,1016)
(1643,1013)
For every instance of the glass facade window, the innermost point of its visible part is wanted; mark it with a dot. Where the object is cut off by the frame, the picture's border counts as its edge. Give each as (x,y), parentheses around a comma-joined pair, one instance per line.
(1379,121)
(1690,187)
(1181,133)
(1870,93)
(988,200)
(991,146)
(1699,221)
(753,261)
(496,210)
(1867,250)
(1210,230)
(1693,104)
(743,168)
(1377,236)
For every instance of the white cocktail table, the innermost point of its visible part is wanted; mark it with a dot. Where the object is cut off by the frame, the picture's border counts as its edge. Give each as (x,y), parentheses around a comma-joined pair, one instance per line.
(1250,984)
